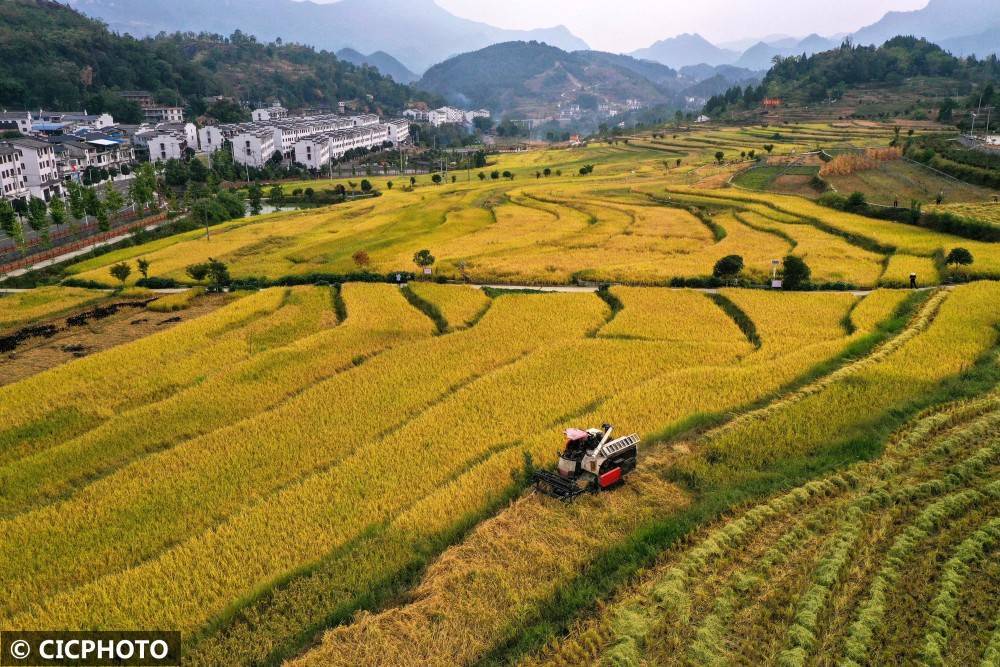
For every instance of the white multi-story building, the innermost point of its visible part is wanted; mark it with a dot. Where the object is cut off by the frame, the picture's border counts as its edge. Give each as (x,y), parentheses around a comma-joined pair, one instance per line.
(316,151)
(438,117)
(160,114)
(189,131)
(211,138)
(19,121)
(38,160)
(13,182)
(399,131)
(273,112)
(253,147)
(417,115)
(75,154)
(162,145)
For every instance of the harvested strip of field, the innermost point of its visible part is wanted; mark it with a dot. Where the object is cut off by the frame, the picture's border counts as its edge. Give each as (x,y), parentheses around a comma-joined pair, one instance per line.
(21,308)
(54,342)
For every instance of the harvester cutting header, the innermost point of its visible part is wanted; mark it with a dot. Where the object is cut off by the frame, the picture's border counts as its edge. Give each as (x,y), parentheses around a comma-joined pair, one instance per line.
(591,461)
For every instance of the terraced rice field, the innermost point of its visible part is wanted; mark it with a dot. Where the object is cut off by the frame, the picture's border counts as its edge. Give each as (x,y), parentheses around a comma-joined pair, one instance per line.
(275,426)
(477,604)
(567,227)
(339,474)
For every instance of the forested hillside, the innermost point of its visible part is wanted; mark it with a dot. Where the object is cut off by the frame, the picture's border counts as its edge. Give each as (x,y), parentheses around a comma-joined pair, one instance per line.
(830,74)
(530,75)
(55,57)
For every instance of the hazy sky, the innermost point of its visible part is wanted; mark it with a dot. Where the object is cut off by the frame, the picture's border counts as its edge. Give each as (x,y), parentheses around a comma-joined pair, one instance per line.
(625,25)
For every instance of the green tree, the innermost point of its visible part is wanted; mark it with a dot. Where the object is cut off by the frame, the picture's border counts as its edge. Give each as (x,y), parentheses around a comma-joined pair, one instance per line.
(720,157)
(103,223)
(423,258)
(796,272)
(276,195)
(38,218)
(57,211)
(112,198)
(255,195)
(728,267)
(436,179)
(121,271)
(10,225)
(143,265)
(214,271)
(769,148)
(388,185)
(77,203)
(366,185)
(856,202)
(197,272)
(958,257)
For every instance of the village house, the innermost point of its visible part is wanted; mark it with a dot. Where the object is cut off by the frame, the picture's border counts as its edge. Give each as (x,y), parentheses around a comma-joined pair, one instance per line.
(39,167)
(13,182)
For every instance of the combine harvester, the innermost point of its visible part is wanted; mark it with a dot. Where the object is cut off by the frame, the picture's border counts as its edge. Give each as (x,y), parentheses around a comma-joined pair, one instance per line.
(591,462)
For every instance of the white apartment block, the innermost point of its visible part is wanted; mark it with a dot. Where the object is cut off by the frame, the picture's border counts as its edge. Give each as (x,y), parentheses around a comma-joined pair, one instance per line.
(163,114)
(211,138)
(285,134)
(273,112)
(316,151)
(162,145)
(399,131)
(253,147)
(417,115)
(39,166)
(438,117)
(75,155)
(19,121)
(13,182)
(189,131)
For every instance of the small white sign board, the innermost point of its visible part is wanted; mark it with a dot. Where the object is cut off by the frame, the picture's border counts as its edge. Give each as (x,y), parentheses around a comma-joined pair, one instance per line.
(427,270)
(776,284)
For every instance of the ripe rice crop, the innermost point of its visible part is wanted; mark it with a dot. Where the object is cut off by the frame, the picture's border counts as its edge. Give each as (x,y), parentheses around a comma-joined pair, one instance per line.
(897,271)
(174,302)
(459,307)
(830,258)
(72,398)
(22,308)
(846,164)
(391,632)
(377,318)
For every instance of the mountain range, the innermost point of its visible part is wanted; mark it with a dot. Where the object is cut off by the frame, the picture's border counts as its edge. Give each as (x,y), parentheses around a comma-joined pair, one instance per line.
(381,61)
(417,32)
(406,37)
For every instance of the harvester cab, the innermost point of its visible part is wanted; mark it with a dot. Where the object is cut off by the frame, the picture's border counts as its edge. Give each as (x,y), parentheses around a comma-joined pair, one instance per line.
(591,461)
